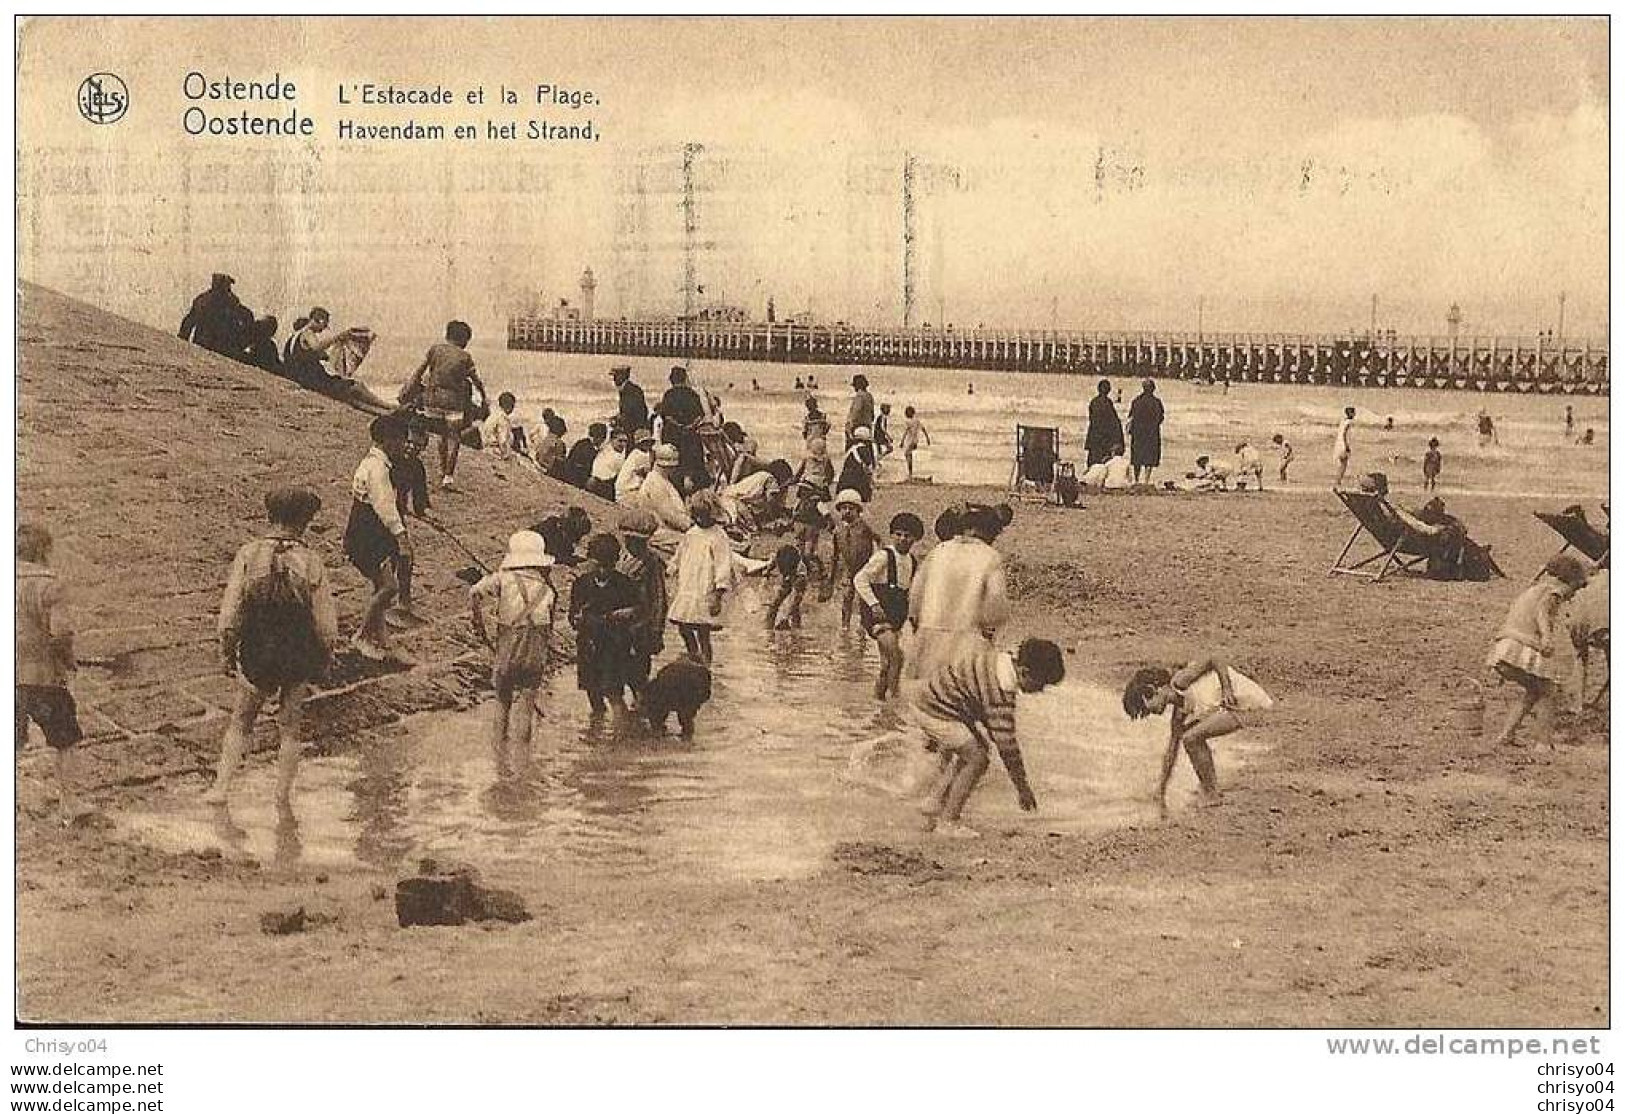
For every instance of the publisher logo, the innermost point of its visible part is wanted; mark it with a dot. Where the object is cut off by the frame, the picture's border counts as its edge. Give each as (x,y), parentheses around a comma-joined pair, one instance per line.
(103,98)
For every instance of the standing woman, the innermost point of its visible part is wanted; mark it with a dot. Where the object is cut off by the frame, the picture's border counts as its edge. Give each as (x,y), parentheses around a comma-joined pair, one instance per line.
(1104,439)
(1204,698)
(1145,432)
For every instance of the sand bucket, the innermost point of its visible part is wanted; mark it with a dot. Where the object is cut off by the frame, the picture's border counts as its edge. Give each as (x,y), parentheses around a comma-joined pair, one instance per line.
(1467,710)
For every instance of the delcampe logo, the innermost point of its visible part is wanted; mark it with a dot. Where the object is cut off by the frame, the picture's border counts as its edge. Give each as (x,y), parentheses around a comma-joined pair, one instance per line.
(103,98)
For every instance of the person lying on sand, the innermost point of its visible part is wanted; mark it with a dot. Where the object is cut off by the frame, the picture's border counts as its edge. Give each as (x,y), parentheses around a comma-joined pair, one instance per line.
(1204,698)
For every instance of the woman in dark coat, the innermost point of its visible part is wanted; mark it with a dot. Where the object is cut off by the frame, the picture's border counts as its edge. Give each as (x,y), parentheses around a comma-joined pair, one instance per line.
(1105,437)
(1145,432)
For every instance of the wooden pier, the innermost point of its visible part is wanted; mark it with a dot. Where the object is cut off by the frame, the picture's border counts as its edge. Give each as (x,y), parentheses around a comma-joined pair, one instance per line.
(1468,363)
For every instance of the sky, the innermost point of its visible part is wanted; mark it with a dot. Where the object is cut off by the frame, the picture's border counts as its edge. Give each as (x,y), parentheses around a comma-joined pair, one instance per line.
(1267,174)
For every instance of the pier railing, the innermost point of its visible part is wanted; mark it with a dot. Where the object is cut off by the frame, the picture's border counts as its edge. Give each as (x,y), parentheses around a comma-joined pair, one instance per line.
(1536,364)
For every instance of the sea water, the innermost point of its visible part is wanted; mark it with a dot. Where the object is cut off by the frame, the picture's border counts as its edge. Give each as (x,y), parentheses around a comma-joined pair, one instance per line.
(971,417)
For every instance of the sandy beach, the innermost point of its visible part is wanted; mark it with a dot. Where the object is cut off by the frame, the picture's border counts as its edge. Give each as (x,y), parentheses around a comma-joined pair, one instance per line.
(1375,862)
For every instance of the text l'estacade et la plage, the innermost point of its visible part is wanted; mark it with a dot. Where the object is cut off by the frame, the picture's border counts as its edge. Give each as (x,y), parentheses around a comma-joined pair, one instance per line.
(226,107)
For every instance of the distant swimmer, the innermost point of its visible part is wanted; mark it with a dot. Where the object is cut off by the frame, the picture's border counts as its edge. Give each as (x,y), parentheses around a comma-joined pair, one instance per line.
(1568,423)
(799,385)
(970,388)
(755,386)
(1388,426)
(1486,430)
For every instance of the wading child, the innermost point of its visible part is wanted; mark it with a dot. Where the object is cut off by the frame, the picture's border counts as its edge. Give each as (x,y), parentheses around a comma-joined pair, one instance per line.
(411,482)
(855,541)
(809,518)
(375,536)
(643,567)
(967,709)
(791,571)
(1284,447)
(1432,462)
(522,592)
(816,469)
(882,587)
(278,628)
(704,571)
(1203,698)
(1525,643)
(604,609)
(45,661)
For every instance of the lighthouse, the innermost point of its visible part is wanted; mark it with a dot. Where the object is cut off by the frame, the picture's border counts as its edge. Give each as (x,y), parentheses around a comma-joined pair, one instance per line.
(588,285)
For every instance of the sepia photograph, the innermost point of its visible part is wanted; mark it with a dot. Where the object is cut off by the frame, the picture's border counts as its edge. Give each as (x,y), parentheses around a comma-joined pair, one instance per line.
(993,522)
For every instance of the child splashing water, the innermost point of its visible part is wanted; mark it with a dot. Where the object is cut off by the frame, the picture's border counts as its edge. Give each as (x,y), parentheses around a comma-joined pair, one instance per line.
(1205,697)
(1523,647)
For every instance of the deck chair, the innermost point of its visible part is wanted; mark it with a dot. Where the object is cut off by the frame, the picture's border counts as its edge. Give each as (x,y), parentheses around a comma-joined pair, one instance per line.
(1578,534)
(1399,549)
(1038,449)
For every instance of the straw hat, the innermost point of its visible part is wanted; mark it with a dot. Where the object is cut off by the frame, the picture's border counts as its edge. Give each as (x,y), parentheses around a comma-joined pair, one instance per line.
(526,550)
(861,433)
(846,497)
(642,437)
(666,456)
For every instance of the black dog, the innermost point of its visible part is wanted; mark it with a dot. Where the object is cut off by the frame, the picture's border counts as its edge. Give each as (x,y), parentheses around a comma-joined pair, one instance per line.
(682,687)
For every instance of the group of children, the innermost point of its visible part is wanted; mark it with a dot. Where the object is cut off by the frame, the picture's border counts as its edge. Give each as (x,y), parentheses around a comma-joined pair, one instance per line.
(933,618)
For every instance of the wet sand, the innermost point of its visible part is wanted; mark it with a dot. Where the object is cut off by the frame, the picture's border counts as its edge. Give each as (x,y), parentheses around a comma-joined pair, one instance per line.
(1374,863)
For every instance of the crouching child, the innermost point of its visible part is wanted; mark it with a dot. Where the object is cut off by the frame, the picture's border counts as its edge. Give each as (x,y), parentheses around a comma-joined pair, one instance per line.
(967,708)
(278,629)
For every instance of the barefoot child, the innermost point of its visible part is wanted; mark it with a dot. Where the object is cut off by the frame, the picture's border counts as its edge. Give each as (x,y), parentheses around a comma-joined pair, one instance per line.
(445,381)
(790,568)
(914,432)
(1204,697)
(1432,464)
(522,590)
(1284,447)
(882,586)
(45,661)
(375,536)
(604,608)
(643,567)
(704,568)
(855,541)
(1523,648)
(277,629)
(411,482)
(967,708)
